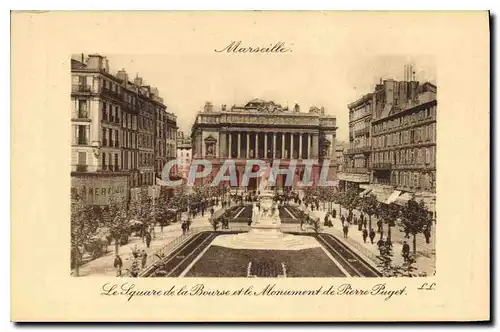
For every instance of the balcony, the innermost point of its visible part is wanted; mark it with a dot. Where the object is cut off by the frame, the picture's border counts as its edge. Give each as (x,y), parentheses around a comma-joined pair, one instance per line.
(81,168)
(362,132)
(361,149)
(356,170)
(382,166)
(81,88)
(110,93)
(82,140)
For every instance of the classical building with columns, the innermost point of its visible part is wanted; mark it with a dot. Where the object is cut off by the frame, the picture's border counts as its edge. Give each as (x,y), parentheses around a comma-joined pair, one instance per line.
(264,130)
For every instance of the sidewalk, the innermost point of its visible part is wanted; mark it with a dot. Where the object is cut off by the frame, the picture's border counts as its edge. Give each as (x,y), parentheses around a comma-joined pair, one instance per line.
(103,266)
(425,261)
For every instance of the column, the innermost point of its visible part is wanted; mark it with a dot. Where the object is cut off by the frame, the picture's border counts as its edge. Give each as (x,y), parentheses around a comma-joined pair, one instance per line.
(292,136)
(265,145)
(238,154)
(315,145)
(274,145)
(283,145)
(308,145)
(248,145)
(300,146)
(222,145)
(256,145)
(230,155)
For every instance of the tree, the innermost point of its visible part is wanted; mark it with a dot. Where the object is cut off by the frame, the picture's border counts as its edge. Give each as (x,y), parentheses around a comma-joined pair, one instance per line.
(83,226)
(370,205)
(415,219)
(315,224)
(119,220)
(389,213)
(141,210)
(350,199)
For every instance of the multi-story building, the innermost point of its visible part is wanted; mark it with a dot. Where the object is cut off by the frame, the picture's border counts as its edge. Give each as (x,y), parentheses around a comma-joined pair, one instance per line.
(357,153)
(113,128)
(340,149)
(264,130)
(404,145)
(392,146)
(184,154)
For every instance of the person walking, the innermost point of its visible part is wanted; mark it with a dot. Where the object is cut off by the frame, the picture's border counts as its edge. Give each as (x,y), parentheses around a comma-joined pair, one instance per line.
(144,258)
(346,230)
(427,234)
(118,264)
(372,235)
(405,252)
(148,239)
(365,234)
(334,214)
(379,225)
(342,219)
(184,227)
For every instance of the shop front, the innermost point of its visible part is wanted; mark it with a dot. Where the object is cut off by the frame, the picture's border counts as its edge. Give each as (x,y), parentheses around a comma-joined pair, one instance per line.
(97,189)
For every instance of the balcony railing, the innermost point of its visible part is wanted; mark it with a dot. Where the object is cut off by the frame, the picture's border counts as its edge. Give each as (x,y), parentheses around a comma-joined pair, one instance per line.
(81,88)
(81,168)
(111,93)
(356,170)
(362,131)
(82,141)
(382,166)
(359,149)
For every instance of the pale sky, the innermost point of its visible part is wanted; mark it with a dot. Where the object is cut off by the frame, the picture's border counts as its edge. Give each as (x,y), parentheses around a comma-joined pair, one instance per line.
(186,81)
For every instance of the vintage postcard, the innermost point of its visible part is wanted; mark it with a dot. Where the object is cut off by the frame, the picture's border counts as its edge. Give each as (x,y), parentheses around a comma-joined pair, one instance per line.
(250,166)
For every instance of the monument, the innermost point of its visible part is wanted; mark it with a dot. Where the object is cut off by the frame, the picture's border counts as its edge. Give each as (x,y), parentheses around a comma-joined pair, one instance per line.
(265,231)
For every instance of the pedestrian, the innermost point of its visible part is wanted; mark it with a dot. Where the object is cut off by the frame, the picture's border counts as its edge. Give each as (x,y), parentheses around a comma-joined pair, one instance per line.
(379,225)
(349,218)
(212,211)
(355,220)
(135,251)
(342,219)
(152,230)
(346,231)
(144,258)
(134,270)
(328,223)
(148,239)
(427,234)
(183,227)
(372,235)
(118,264)
(365,235)
(360,226)
(388,243)
(405,252)
(334,214)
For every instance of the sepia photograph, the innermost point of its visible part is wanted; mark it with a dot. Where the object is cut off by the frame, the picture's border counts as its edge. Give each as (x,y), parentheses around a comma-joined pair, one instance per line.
(250,166)
(286,184)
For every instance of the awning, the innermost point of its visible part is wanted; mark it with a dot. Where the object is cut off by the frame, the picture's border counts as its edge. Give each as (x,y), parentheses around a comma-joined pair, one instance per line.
(392,198)
(381,196)
(366,191)
(403,199)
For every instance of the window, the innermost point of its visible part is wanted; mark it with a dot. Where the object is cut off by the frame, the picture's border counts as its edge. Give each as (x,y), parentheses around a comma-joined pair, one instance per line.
(82,109)
(427,156)
(103,161)
(82,135)
(82,158)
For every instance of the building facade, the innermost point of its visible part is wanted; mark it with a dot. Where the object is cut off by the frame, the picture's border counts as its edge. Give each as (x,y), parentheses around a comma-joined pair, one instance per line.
(184,154)
(404,146)
(392,143)
(113,130)
(264,130)
(340,150)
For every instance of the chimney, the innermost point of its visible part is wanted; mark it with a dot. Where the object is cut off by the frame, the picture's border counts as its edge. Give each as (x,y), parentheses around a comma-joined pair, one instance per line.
(83,58)
(122,75)
(138,80)
(95,62)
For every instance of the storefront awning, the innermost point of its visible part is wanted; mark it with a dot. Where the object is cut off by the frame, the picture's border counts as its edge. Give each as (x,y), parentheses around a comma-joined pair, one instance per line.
(365,192)
(403,199)
(392,198)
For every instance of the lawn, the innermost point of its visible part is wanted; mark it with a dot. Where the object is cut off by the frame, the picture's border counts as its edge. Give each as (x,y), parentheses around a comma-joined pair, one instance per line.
(225,262)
